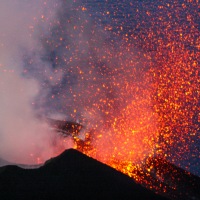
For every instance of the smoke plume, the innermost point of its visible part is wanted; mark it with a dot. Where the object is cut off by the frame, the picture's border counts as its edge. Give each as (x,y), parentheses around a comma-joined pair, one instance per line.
(23,137)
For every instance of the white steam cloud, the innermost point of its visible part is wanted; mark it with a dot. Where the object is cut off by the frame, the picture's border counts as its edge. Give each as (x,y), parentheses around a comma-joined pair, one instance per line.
(23,137)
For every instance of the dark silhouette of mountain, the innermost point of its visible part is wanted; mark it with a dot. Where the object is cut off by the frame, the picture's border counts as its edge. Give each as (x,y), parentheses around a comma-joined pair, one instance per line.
(71,175)
(4,162)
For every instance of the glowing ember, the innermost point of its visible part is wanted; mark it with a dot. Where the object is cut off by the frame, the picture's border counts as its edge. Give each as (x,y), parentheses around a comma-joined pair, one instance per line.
(142,101)
(157,103)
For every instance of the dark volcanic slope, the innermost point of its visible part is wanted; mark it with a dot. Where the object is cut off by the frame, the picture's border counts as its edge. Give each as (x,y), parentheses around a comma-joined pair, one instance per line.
(4,162)
(170,180)
(71,175)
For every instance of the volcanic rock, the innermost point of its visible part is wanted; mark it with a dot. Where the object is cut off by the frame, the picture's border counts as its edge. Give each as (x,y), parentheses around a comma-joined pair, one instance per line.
(170,180)
(71,175)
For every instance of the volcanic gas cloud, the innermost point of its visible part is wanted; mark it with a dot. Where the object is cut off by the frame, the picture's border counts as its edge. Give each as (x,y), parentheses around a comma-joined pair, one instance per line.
(23,137)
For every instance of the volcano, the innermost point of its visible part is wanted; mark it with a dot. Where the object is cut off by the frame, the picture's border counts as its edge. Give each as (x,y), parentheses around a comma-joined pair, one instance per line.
(71,175)
(74,175)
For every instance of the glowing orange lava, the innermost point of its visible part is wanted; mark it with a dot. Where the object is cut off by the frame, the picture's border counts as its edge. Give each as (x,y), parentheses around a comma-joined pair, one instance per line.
(154,85)
(158,107)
